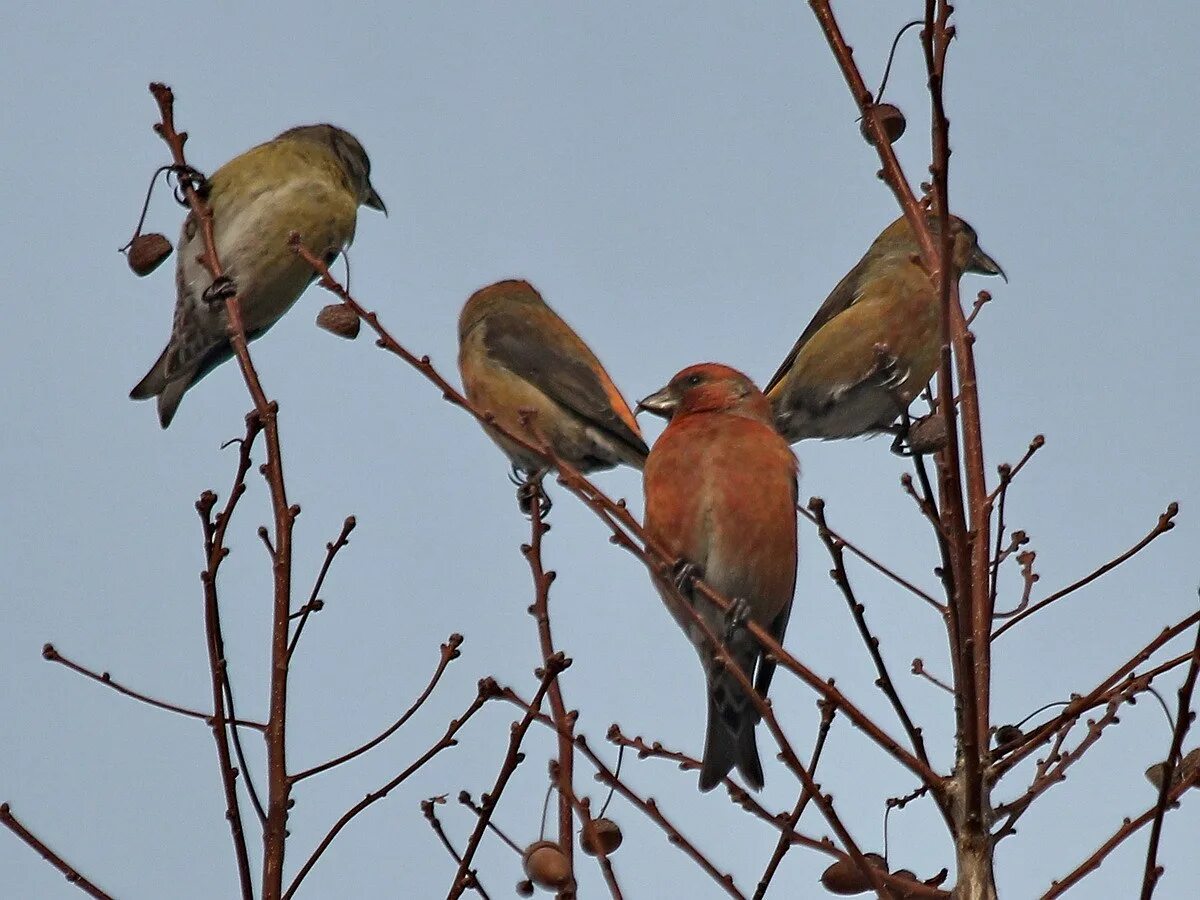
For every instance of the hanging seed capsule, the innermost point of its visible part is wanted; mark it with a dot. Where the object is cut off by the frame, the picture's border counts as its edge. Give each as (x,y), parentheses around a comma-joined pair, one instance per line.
(339,319)
(892,120)
(146,253)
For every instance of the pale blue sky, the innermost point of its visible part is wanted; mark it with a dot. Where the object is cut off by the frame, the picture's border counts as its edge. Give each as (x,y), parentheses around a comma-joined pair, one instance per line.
(683,181)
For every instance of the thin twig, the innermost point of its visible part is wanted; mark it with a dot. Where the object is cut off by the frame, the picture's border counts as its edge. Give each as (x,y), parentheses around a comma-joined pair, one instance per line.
(9,821)
(331,550)
(540,610)
(547,673)
(436,825)
(488,690)
(448,652)
(51,654)
(785,836)
(918,668)
(871,561)
(858,613)
(1183,721)
(278,785)
(1164,524)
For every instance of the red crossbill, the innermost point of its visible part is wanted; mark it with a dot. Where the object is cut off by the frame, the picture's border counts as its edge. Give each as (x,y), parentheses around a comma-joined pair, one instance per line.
(874,343)
(516,355)
(721,497)
(310,179)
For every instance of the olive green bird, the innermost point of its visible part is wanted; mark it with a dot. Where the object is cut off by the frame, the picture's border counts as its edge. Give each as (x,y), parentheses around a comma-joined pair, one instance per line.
(874,343)
(310,179)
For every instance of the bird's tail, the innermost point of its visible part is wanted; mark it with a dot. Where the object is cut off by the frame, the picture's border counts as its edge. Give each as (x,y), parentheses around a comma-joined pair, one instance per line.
(169,393)
(729,740)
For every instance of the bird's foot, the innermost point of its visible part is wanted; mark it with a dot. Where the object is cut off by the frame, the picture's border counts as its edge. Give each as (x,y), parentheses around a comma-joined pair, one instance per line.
(684,575)
(220,290)
(736,617)
(917,437)
(186,176)
(887,372)
(530,491)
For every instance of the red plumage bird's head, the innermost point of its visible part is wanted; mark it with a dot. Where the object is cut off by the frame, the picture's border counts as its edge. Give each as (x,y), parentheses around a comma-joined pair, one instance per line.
(707,388)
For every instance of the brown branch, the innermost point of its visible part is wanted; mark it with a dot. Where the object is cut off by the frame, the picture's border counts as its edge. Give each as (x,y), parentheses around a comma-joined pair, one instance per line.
(891,173)
(1081,703)
(565,722)
(1128,828)
(1053,769)
(1164,524)
(436,825)
(858,613)
(1007,473)
(488,690)
(608,778)
(278,785)
(869,560)
(1183,721)
(464,797)
(583,809)
(9,821)
(785,836)
(547,673)
(448,652)
(331,550)
(918,668)
(981,300)
(51,654)
(1029,578)
(739,796)
(215,551)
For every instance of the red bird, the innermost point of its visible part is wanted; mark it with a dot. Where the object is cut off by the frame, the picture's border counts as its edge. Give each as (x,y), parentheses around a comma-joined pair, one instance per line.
(721,499)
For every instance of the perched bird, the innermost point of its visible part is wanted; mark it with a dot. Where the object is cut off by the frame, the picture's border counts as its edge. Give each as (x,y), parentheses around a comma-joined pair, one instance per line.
(516,354)
(310,179)
(721,500)
(874,343)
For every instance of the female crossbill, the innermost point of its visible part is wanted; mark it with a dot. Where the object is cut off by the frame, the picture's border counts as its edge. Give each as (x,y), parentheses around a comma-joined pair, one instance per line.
(517,357)
(310,179)
(721,497)
(874,343)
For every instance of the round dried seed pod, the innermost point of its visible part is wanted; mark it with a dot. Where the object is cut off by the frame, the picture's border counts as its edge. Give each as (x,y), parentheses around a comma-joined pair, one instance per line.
(546,865)
(600,834)
(146,253)
(339,319)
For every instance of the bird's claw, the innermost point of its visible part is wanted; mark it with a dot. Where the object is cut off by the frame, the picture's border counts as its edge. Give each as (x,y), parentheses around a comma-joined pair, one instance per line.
(186,176)
(916,437)
(736,617)
(684,575)
(221,289)
(530,491)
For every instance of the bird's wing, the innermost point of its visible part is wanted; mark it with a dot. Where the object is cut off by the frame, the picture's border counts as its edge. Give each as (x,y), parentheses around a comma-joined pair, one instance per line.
(559,367)
(841,298)
(778,626)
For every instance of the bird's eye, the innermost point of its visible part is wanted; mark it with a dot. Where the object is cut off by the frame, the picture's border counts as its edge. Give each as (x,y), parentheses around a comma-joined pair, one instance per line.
(694,380)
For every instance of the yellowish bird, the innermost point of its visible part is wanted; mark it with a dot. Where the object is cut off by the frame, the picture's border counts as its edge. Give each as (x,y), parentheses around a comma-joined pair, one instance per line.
(310,179)
(873,344)
(516,354)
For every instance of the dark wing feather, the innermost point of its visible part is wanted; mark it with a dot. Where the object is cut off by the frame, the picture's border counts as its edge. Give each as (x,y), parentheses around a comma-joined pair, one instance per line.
(839,300)
(777,628)
(556,372)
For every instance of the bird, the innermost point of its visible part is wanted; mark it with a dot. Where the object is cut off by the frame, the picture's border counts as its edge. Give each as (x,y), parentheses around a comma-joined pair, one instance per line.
(720,490)
(310,179)
(874,343)
(516,356)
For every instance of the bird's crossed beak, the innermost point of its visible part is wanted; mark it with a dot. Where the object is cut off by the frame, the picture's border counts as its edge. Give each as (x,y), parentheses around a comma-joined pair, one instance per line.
(982,264)
(661,403)
(374,201)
